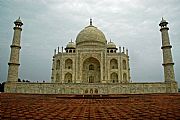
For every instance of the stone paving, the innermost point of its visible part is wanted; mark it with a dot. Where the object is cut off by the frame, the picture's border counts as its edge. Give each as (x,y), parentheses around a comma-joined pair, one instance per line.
(77,107)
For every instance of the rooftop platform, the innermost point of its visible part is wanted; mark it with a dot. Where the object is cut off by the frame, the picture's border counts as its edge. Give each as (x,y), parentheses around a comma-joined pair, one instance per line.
(41,106)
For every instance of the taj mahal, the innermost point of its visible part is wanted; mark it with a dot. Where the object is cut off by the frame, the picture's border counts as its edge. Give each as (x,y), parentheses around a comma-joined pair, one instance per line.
(91,65)
(90,60)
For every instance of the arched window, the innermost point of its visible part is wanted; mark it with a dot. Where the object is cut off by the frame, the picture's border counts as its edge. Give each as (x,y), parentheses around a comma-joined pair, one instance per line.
(86,91)
(91,91)
(91,79)
(113,64)
(70,51)
(91,67)
(57,77)
(68,64)
(125,77)
(124,65)
(111,51)
(114,77)
(96,91)
(68,78)
(58,64)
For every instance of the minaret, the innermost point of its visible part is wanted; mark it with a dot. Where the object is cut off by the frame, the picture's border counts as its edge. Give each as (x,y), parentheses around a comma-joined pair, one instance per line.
(14,56)
(167,56)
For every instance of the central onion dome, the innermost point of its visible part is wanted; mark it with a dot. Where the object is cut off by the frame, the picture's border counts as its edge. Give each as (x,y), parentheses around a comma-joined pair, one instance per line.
(91,36)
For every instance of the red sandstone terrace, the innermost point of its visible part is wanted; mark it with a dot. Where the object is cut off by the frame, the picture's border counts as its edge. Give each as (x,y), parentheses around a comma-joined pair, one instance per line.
(38,106)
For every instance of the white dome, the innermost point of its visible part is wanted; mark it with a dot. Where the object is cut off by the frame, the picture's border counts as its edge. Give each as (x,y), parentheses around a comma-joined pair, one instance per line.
(70,45)
(90,35)
(111,45)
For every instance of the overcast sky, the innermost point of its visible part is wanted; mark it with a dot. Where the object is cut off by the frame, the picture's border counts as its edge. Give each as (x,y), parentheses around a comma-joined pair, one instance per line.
(52,23)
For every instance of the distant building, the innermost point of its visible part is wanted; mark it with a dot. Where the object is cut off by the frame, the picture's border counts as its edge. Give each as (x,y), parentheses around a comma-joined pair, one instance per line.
(90,65)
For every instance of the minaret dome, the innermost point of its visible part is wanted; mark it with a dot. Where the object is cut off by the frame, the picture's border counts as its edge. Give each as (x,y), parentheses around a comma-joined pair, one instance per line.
(18,22)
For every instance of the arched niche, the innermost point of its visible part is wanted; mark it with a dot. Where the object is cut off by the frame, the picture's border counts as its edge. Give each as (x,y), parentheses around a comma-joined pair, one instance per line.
(114,77)
(57,77)
(124,77)
(91,70)
(68,78)
(58,64)
(124,65)
(68,64)
(114,64)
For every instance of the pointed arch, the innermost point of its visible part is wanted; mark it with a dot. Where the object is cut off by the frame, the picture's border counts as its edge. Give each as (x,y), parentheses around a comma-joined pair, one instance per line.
(96,91)
(91,70)
(114,77)
(91,91)
(114,64)
(68,78)
(86,91)
(57,77)
(124,65)
(68,64)
(125,77)
(58,64)
(91,79)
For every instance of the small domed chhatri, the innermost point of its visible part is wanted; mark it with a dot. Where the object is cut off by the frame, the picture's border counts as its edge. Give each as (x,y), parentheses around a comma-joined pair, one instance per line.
(71,44)
(18,22)
(163,22)
(111,45)
(90,35)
